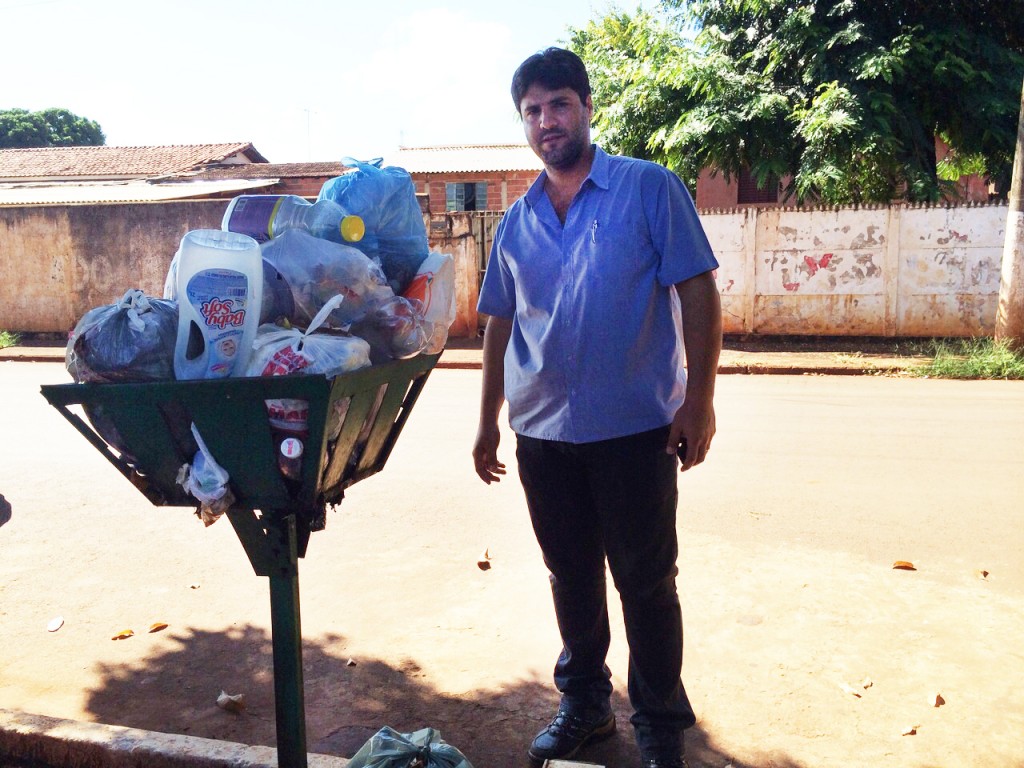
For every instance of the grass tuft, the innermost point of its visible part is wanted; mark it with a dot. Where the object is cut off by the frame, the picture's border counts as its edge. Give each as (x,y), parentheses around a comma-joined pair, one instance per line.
(979,358)
(8,339)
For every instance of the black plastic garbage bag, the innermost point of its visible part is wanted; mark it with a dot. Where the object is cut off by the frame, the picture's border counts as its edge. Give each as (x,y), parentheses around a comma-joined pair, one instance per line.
(131,340)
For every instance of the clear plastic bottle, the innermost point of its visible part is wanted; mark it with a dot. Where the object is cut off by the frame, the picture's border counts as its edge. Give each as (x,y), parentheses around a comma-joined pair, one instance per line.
(264,217)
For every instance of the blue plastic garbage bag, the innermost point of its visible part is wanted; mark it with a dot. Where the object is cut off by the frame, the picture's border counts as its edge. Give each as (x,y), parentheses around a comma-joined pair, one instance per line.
(423,749)
(385,198)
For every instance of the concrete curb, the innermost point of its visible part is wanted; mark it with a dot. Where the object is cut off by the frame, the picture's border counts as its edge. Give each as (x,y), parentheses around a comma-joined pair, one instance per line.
(784,363)
(73,744)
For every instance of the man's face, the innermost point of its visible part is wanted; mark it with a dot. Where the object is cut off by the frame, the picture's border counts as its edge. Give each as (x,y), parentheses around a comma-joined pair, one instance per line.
(557,124)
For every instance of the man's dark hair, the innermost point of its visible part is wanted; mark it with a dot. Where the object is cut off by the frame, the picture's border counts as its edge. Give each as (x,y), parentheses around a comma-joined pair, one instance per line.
(552,68)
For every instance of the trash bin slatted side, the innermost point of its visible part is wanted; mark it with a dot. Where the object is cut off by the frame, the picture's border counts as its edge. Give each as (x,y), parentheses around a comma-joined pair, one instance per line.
(153,420)
(396,423)
(368,390)
(383,423)
(356,414)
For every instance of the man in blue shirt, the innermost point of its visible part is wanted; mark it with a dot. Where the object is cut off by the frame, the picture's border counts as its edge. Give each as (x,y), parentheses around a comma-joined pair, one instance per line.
(599,282)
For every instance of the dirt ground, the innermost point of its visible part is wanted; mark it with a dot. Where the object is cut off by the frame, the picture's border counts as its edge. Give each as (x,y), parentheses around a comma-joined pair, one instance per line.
(805,648)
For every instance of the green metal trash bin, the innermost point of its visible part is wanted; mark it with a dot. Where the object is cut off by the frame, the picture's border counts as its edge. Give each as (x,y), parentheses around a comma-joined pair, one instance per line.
(354,421)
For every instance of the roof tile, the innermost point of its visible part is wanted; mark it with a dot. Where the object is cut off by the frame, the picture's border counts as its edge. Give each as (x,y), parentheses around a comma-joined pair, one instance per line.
(97,162)
(467,158)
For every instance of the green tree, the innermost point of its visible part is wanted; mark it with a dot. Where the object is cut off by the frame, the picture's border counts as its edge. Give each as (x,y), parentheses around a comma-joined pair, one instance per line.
(845,97)
(20,128)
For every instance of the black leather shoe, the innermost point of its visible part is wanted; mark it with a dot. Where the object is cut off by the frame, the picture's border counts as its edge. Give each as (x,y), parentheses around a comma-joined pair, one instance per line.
(566,733)
(665,762)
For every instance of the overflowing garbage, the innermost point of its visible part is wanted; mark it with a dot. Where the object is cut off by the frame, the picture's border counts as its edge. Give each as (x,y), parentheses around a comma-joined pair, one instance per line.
(285,287)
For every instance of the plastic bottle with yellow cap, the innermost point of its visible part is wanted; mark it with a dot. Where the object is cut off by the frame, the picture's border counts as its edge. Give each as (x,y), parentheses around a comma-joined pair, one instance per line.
(264,217)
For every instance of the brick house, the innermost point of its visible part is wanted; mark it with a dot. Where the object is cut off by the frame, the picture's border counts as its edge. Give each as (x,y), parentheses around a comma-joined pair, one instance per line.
(714,191)
(87,175)
(471,177)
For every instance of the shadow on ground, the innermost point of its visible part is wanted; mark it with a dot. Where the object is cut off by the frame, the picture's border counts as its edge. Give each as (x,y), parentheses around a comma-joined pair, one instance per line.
(5,510)
(175,691)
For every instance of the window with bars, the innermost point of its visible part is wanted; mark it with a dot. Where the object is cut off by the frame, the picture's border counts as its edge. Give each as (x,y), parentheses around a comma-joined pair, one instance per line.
(466,196)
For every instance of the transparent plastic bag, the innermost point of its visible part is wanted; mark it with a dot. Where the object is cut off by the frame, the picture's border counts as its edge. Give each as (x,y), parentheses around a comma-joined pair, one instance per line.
(315,270)
(422,749)
(434,288)
(207,482)
(385,198)
(395,329)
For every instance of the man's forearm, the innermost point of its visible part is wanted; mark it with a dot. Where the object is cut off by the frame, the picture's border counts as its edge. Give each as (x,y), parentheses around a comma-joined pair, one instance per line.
(702,333)
(496,336)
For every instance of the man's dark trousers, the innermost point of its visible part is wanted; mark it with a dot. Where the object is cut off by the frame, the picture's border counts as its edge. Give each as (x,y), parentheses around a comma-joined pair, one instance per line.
(616,499)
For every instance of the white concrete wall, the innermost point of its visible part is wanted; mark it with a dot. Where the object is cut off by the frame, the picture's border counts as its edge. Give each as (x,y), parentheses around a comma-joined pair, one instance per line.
(888,271)
(899,271)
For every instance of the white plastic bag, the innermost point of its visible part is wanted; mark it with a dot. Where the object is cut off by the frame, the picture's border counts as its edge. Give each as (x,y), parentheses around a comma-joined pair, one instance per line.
(423,749)
(279,351)
(207,481)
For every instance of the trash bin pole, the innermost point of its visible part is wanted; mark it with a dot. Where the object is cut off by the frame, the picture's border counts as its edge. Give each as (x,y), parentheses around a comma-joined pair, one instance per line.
(289,699)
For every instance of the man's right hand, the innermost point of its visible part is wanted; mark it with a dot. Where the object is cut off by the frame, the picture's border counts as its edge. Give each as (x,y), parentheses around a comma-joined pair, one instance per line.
(485,454)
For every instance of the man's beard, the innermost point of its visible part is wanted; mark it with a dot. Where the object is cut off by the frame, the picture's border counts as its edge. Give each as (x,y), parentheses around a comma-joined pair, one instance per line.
(564,155)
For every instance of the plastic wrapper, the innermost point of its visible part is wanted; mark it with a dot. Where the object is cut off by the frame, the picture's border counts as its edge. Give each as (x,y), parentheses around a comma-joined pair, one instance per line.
(385,198)
(422,749)
(207,482)
(434,289)
(316,270)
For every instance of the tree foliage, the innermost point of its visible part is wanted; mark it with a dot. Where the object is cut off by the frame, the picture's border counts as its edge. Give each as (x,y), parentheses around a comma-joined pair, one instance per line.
(55,127)
(845,97)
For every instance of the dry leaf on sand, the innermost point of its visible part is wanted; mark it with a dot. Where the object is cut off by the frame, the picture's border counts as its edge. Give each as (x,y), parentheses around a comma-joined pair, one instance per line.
(231,702)
(124,634)
(484,561)
(903,565)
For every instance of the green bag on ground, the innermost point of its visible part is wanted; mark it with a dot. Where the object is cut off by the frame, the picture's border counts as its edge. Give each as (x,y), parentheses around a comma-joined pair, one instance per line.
(423,749)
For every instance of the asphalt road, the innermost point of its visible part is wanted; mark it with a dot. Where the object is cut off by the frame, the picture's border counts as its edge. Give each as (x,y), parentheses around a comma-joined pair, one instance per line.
(814,487)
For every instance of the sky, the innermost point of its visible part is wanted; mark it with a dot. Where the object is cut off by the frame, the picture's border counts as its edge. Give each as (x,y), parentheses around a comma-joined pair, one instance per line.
(303,80)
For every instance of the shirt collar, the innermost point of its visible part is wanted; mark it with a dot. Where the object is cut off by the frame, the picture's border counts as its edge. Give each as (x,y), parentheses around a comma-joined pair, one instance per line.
(598,176)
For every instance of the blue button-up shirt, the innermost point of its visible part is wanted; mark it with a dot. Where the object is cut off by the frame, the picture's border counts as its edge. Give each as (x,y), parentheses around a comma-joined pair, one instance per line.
(596,347)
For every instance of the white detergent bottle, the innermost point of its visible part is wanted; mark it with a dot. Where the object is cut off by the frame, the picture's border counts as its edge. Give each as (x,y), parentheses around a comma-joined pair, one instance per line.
(220,293)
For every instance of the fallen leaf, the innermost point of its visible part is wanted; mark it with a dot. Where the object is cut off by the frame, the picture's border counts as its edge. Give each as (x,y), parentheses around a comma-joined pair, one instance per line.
(981,574)
(484,561)
(847,688)
(910,730)
(194,586)
(231,702)
(350,663)
(55,623)
(866,683)
(124,634)
(157,626)
(903,565)
(937,700)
